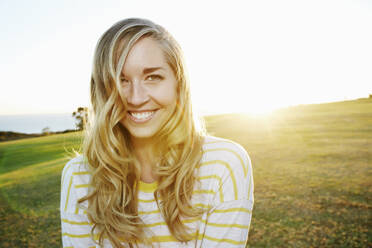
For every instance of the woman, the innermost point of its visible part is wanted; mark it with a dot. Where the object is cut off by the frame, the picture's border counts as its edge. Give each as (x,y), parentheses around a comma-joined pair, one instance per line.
(148,176)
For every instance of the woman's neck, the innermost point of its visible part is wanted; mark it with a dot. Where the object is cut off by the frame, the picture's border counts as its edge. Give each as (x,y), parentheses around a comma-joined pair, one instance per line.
(144,151)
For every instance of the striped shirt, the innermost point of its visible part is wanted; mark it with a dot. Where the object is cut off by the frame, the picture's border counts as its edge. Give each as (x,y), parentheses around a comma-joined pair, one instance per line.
(225,190)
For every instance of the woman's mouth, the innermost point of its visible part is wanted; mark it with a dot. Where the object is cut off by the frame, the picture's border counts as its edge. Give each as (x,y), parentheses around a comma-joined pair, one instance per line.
(141,116)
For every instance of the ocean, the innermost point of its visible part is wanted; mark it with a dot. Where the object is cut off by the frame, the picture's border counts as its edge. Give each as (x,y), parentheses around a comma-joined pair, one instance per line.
(36,123)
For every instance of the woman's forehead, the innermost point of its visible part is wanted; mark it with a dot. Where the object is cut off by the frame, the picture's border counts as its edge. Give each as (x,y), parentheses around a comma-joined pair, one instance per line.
(145,56)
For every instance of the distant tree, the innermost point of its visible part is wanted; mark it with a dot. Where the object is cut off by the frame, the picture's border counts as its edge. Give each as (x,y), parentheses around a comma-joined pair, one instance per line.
(81,116)
(45,131)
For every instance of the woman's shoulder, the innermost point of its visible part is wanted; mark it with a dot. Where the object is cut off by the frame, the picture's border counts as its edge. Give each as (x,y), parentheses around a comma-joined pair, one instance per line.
(78,163)
(212,143)
(226,152)
(76,168)
(74,183)
(229,163)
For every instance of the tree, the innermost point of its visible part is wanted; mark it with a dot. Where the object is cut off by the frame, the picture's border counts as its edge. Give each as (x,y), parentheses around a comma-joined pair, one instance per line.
(81,116)
(45,131)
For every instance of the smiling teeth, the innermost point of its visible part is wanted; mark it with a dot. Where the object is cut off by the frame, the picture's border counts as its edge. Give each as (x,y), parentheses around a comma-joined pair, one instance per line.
(142,115)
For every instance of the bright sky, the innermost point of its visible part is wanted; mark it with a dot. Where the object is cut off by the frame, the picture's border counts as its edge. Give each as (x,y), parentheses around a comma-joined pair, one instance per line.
(242,56)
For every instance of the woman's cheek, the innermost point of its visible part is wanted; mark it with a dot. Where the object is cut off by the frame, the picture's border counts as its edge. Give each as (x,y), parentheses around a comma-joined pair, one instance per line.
(164,95)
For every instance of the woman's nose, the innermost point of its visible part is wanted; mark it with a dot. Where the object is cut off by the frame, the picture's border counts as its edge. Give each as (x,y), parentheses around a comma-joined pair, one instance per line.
(137,94)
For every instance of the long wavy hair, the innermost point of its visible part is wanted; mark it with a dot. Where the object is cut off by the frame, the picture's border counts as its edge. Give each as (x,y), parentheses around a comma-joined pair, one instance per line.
(113,194)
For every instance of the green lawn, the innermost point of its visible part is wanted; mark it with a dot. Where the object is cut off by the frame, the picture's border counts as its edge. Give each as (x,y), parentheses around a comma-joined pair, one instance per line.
(312,171)
(29,189)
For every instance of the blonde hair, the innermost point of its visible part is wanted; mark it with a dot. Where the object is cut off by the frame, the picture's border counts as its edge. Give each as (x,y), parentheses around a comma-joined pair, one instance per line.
(112,198)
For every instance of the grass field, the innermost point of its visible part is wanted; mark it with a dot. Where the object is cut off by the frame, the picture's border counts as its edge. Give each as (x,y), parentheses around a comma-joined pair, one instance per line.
(312,170)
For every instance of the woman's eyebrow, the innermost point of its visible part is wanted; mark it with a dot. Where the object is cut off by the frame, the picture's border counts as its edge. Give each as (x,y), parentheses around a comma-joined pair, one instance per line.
(151,69)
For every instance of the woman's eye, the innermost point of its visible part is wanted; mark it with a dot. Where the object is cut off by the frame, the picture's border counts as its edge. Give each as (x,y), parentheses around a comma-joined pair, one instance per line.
(154,77)
(124,80)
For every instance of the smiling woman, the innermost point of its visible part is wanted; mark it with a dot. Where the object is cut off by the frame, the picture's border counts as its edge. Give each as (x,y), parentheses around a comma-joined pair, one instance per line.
(148,176)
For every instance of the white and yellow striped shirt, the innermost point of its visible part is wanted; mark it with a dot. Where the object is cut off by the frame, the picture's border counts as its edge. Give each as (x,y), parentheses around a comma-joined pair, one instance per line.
(225,189)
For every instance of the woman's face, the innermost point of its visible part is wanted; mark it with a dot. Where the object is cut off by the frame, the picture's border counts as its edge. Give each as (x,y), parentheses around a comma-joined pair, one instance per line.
(150,88)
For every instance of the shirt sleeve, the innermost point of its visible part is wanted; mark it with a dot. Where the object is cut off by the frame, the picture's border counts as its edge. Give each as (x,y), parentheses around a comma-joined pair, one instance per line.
(228,225)
(228,221)
(74,222)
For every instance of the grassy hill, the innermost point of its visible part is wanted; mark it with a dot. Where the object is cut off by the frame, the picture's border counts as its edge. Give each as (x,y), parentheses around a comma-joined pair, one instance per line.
(5,136)
(312,171)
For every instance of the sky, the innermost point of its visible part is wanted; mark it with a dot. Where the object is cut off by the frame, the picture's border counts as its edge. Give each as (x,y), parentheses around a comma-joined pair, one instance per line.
(241,56)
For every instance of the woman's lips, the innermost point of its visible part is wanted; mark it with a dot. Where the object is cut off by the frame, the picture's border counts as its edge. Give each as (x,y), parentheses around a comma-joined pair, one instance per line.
(141,116)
